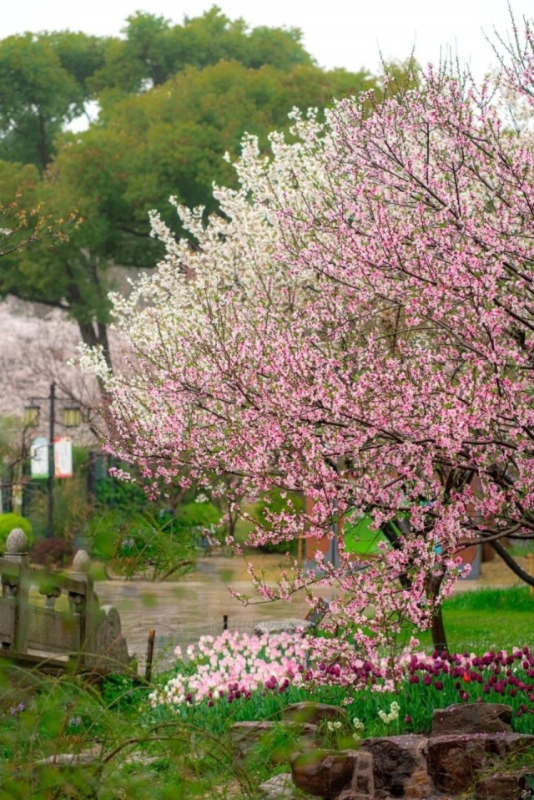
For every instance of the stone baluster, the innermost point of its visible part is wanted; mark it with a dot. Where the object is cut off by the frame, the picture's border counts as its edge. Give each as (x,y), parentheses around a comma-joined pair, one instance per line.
(51,594)
(80,570)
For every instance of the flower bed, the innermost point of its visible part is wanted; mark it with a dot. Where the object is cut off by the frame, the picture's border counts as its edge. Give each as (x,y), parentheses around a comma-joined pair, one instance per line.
(238,669)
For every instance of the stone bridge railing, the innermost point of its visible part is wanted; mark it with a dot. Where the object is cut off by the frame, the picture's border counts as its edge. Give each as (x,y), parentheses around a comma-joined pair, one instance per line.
(51,618)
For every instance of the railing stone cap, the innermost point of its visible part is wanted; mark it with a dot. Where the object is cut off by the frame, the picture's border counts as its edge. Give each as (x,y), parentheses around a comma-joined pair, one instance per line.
(81,562)
(17,542)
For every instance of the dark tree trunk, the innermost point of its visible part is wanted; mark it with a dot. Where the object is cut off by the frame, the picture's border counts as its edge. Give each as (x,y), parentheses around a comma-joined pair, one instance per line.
(439,637)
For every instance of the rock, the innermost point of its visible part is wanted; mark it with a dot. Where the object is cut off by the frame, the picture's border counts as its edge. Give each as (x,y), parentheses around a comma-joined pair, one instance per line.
(509,786)
(324,773)
(362,785)
(279,787)
(313,713)
(400,767)
(246,735)
(454,762)
(70,760)
(291,625)
(472,718)
(70,775)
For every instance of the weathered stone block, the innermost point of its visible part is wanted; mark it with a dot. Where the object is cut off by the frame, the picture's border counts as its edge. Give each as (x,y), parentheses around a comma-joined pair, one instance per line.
(324,773)
(400,766)
(246,735)
(291,625)
(279,787)
(509,786)
(313,713)
(455,761)
(472,718)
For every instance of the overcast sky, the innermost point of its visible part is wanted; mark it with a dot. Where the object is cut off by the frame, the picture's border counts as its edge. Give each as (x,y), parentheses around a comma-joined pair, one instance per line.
(338,33)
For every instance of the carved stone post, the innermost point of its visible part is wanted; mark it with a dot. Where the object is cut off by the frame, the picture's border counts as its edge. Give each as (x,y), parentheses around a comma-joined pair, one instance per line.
(19,589)
(83,605)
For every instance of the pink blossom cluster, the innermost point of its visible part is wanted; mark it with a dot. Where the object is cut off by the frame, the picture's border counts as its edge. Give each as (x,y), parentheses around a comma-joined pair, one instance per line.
(234,665)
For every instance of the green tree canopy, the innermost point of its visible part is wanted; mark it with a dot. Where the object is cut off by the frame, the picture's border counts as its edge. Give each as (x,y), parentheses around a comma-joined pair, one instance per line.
(171,141)
(173,99)
(43,86)
(153,51)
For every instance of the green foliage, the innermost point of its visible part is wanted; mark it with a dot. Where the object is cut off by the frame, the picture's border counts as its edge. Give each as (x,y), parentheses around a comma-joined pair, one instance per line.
(37,97)
(42,716)
(71,507)
(121,495)
(191,517)
(10,521)
(153,51)
(143,544)
(276,502)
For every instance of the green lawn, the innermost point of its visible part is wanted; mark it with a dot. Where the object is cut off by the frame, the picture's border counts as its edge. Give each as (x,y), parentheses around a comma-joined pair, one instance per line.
(486,619)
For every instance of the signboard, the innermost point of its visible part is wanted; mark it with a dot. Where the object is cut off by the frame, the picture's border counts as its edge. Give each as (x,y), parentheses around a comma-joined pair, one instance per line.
(39,457)
(63,457)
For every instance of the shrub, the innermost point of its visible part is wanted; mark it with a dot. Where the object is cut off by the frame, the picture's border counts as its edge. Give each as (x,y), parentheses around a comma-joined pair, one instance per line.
(53,552)
(140,544)
(192,516)
(274,504)
(10,521)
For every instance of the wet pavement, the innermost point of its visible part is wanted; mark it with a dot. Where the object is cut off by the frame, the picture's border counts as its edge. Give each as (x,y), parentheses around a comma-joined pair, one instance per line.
(199,599)
(202,598)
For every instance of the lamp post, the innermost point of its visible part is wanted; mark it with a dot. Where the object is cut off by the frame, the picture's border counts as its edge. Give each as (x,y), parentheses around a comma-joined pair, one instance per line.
(71,419)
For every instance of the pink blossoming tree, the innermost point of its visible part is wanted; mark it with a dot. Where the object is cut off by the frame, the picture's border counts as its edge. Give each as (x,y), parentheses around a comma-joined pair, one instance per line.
(358,326)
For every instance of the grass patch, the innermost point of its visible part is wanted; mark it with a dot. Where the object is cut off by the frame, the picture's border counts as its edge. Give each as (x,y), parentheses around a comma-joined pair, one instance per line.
(516,598)
(487,619)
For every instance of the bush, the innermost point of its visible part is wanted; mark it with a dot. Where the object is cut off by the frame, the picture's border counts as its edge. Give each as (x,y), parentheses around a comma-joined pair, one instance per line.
(51,553)
(10,521)
(275,503)
(192,516)
(139,544)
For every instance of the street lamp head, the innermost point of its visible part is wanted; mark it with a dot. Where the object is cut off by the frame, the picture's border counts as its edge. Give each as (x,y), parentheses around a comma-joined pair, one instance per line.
(31,415)
(71,416)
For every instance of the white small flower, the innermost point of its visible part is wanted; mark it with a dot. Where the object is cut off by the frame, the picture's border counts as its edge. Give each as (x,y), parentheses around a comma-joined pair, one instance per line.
(333,726)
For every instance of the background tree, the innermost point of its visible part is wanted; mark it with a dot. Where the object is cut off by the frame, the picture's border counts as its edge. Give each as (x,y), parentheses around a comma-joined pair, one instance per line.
(358,327)
(146,144)
(43,87)
(153,51)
